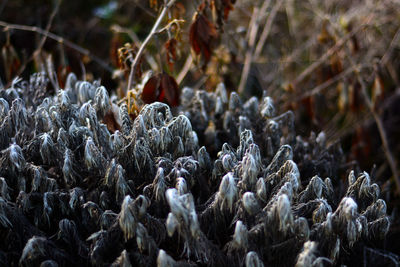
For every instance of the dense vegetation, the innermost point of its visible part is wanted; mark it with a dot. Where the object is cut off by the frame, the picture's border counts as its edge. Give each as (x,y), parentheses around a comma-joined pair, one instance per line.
(335,64)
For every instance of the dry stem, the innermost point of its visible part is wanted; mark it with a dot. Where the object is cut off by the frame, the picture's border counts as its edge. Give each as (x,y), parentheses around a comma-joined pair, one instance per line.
(153,31)
(58,39)
(329,53)
(249,53)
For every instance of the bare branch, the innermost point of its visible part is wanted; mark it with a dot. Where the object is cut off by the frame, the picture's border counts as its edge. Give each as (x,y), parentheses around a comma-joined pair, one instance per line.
(146,41)
(58,39)
(185,69)
(267,29)
(253,26)
(330,52)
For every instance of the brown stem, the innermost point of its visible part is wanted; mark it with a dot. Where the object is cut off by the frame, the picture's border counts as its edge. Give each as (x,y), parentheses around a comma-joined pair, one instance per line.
(58,39)
(146,41)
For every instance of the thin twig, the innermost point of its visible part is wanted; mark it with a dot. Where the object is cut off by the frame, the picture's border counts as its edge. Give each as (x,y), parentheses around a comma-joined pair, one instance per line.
(58,39)
(267,29)
(185,69)
(42,41)
(329,53)
(389,51)
(328,82)
(253,26)
(146,41)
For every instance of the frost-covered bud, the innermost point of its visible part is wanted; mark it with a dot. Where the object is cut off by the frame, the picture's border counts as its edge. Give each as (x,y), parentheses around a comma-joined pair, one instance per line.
(252,260)
(123,260)
(301,228)
(141,237)
(165,260)
(267,108)
(261,189)
(4,109)
(221,92)
(204,159)
(375,210)
(307,256)
(181,186)
(126,126)
(284,153)
(284,212)
(320,213)
(227,191)
(234,102)
(64,100)
(15,158)
(313,190)
(92,155)
(127,221)
(321,139)
(172,224)
(351,178)
(290,172)
(249,170)
(160,185)
(47,147)
(141,205)
(240,237)
(121,186)
(102,101)
(107,219)
(250,203)
(228,162)
(176,204)
(86,91)
(70,176)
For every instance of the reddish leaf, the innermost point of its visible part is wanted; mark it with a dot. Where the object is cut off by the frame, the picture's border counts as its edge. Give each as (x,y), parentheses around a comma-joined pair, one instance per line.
(161,87)
(170,47)
(202,35)
(355,97)
(153,4)
(115,44)
(111,122)
(170,89)
(361,144)
(62,73)
(309,105)
(11,60)
(228,6)
(151,90)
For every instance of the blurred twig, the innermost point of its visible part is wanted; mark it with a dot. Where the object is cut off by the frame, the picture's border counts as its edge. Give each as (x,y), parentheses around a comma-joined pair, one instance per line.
(328,82)
(253,29)
(58,39)
(185,69)
(267,28)
(330,52)
(42,41)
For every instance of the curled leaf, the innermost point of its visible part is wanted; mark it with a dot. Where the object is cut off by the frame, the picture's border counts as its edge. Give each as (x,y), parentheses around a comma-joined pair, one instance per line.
(161,87)
(202,35)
